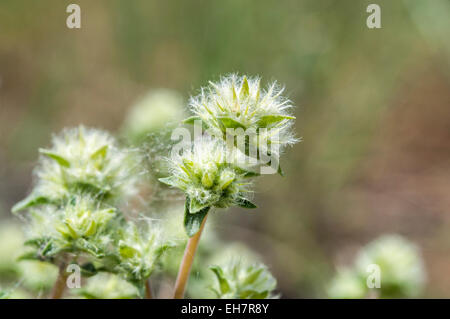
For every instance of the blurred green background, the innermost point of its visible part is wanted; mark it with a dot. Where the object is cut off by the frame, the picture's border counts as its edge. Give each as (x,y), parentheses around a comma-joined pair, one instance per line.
(372,109)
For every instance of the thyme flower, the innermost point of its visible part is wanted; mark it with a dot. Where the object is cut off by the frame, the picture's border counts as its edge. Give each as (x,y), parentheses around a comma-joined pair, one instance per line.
(238,102)
(207,178)
(81,160)
(138,251)
(80,225)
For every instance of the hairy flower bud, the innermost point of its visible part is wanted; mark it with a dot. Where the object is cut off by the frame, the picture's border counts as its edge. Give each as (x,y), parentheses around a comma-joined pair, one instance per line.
(81,218)
(206,177)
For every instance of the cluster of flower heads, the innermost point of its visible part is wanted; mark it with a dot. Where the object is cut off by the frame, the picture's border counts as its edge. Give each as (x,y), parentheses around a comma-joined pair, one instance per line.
(239,280)
(213,172)
(73,210)
(394,259)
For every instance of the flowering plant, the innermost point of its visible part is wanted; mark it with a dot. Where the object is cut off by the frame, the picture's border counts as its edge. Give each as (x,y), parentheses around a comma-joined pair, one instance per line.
(75,209)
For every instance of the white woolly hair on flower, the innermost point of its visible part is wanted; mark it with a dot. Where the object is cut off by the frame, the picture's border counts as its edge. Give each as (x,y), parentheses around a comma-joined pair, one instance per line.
(43,221)
(82,160)
(207,174)
(240,102)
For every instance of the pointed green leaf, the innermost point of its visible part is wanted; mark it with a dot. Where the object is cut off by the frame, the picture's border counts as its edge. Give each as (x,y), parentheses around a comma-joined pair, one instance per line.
(191,119)
(223,283)
(245,173)
(58,158)
(228,122)
(32,200)
(268,120)
(88,269)
(168,181)
(253,276)
(245,203)
(280,170)
(101,152)
(195,206)
(28,256)
(192,222)
(244,88)
(250,174)
(128,251)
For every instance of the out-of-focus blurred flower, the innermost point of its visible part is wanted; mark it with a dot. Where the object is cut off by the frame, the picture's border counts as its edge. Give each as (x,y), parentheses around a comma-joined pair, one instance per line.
(11,240)
(392,261)
(239,280)
(160,109)
(107,286)
(82,160)
(402,270)
(14,293)
(348,285)
(37,275)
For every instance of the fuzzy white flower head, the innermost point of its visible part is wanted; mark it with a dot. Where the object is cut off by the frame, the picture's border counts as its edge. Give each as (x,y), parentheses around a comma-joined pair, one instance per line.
(139,250)
(238,102)
(82,160)
(78,224)
(401,267)
(209,178)
(83,218)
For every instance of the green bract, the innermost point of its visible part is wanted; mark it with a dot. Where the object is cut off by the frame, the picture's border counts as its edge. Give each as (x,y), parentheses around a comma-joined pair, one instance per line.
(81,160)
(238,102)
(241,281)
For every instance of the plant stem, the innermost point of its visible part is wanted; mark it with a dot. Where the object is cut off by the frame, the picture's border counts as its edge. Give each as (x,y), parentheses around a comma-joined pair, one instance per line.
(186,263)
(148,290)
(60,284)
